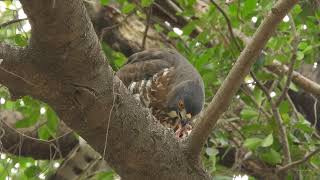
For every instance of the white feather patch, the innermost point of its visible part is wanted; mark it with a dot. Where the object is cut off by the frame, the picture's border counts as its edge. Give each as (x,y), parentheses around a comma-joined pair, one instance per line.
(165,72)
(137,97)
(142,85)
(148,83)
(132,86)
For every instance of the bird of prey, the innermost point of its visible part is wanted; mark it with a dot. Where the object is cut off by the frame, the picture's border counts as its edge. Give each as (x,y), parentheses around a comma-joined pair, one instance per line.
(164,81)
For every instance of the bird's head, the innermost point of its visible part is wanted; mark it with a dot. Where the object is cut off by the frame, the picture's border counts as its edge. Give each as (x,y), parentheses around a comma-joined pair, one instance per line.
(185,101)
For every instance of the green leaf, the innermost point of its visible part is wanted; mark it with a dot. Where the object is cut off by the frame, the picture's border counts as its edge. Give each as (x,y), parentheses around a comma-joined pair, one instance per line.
(271,156)
(52,120)
(284,107)
(45,133)
(297,9)
(105,176)
(293,87)
(32,171)
(29,121)
(158,28)
(128,8)
(104,2)
(233,9)
(146,3)
(249,6)
(252,128)
(172,34)
(219,177)
(308,49)
(302,45)
(304,126)
(268,141)
(20,40)
(248,113)
(252,143)
(211,151)
(187,30)
(9,105)
(300,55)
(119,59)
(263,76)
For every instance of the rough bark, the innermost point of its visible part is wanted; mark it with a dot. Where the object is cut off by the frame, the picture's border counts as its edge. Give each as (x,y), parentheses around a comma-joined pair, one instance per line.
(124,33)
(65,67)
(71,74)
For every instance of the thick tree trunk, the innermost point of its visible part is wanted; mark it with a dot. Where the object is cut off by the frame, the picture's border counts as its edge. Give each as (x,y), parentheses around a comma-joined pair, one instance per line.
(70,73)
(65,67)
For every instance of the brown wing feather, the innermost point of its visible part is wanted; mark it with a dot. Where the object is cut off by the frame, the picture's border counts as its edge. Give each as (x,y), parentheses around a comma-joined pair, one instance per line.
(150,76)
(141,70)
(160,88)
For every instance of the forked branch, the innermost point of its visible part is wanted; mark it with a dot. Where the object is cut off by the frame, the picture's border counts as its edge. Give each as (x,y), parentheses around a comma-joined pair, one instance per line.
(236,76)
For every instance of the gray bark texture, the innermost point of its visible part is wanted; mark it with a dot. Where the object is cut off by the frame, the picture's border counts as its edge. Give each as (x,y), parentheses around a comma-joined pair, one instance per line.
(64,66)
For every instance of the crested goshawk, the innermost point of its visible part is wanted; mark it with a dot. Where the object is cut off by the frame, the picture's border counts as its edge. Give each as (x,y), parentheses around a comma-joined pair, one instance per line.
(164,81)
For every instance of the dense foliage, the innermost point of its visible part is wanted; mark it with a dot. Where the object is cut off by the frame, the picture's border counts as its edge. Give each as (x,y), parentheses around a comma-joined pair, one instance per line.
(211,47)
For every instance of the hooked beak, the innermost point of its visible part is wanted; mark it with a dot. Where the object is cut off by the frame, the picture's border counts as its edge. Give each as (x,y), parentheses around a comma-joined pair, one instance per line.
(183,129)
(184,117)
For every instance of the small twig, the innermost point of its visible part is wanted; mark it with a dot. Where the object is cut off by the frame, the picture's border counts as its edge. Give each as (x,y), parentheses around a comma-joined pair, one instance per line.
(12,22)
(231,84)
(108,28)
(295,43)
(296,163)
(179,10)
(278,68)
(149,14)
(283,137)
(228,23)
(261,110)
(261,86)
(315,107)
(165,11)
(295,111)
(237,130)
(238,12)
(282,130)
(109,119)
(303,82)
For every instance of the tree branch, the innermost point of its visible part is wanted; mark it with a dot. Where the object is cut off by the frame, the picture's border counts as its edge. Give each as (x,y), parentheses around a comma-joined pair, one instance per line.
(14,70)
(11,22)
(148,14)
(278,68)
(232,82)
(283,138)
(77,82)
(228,24)
(303,82)
(298,162)
(295,43)
(24,142)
